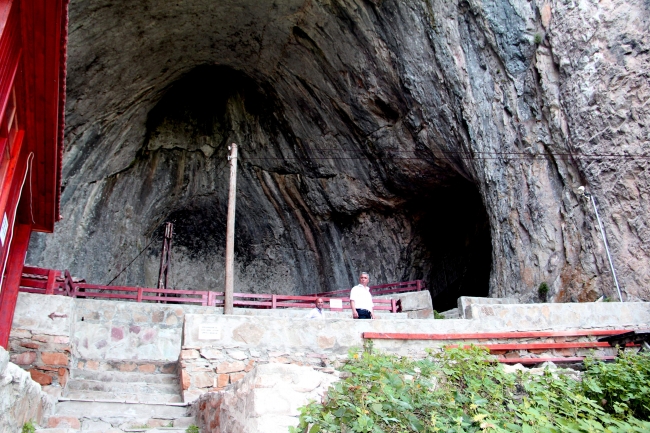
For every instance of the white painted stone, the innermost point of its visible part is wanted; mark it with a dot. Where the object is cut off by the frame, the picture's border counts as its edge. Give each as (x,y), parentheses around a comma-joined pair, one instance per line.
(94,426)
(237,354)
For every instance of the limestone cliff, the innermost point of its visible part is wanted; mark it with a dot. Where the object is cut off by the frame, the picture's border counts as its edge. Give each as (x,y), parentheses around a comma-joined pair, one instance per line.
(431,139)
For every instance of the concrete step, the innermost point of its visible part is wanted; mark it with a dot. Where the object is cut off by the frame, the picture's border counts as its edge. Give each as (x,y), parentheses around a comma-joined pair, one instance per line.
(115,430)
(61,424)
(123,397)
(57,430)
(451,314)
(103,416)
(121,387)
(119,376)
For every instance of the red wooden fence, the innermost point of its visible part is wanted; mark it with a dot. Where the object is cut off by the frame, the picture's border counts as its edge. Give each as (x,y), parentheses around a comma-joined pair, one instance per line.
(51,282)
(502,348)
(382,289)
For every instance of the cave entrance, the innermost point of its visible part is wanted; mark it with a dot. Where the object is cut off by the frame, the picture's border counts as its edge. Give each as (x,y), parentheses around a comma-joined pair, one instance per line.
(455,230)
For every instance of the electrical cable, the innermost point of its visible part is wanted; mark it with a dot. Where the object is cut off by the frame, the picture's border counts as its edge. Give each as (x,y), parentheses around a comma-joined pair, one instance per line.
(449,155)
(131,262)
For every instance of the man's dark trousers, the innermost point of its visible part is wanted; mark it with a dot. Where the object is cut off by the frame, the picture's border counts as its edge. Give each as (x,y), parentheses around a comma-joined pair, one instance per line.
(363,314)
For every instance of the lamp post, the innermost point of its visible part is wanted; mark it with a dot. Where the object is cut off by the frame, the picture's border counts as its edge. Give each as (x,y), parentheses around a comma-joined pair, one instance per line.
(584,193)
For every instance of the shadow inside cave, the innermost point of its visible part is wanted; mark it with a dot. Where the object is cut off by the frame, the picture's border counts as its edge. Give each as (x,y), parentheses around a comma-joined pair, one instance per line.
(451,248)
(454,227)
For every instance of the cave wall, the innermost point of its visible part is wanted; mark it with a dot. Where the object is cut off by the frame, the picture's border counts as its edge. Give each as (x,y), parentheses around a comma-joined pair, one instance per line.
(425,139)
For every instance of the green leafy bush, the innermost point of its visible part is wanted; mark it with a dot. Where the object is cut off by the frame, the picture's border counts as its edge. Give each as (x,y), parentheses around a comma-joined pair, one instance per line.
(542,291)
(28,427)
(457,390)
(622,387)
(437,315)
(192,429)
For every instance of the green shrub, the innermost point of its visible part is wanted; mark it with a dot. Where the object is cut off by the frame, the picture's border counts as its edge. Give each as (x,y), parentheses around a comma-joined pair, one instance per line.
(622,387)
(458,390)
(537,38)
(192,429)
(29,427)
(542,291)
(437,315)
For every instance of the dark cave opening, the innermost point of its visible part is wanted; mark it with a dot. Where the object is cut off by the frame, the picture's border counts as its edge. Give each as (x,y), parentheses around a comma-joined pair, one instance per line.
(455,230)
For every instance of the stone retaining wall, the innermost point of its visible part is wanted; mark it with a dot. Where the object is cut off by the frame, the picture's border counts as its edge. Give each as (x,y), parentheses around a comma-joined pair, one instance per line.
(219,350)
(21,399)
(265,401)
(40,337)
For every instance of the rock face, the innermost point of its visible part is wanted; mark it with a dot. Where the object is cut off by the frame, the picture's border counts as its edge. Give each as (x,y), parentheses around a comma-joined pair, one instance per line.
(435,139)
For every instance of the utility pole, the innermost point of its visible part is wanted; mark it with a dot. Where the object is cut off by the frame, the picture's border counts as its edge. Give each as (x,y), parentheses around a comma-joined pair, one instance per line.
(166,256)
(230,232)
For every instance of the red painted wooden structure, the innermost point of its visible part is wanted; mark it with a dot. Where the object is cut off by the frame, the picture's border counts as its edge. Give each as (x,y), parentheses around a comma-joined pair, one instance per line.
(502,348)
(33,36)
(52,282)
(382,289)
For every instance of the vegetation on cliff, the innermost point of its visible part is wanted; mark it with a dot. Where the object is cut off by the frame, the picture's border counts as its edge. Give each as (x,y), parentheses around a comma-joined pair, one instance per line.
(461,390)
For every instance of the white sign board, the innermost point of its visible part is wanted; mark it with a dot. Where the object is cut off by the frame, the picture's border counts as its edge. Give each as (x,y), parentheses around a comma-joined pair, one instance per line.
(336,303)
(3,229)
(209,332)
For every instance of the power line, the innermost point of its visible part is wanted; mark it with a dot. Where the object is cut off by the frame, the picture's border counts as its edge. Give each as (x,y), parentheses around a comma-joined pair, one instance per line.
(453,157)
(125,268)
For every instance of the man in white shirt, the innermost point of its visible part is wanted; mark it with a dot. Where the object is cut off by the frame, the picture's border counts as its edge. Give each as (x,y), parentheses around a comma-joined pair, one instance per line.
(361,299)
(318,312)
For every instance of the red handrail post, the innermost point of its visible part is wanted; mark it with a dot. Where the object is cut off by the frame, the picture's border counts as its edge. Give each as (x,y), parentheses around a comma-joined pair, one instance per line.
(393,306)
(274,301)
(70,289)
(418,285)
(51,281)
(139,299)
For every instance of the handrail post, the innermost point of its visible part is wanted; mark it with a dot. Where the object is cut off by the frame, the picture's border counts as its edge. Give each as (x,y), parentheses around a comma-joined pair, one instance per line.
(51,280)
(139,294)
(211,299)
(69,288)
(273,301)
(418,285)
(393,306)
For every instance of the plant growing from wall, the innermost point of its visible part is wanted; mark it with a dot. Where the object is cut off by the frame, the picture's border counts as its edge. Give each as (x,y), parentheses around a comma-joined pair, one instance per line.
(537,38)
(28,427)
(192,429)
(542,291)
(465,390)
(437,315)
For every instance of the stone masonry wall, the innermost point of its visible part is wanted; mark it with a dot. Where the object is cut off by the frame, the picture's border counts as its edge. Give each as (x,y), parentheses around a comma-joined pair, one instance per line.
(218,350)
(40,337)
(21,399)
(265,401)
(52,334)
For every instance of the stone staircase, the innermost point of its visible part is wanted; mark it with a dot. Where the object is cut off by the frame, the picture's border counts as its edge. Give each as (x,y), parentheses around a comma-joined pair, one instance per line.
(96,401)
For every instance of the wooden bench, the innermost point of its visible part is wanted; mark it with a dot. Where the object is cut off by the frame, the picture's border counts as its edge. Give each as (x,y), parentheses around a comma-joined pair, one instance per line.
(501,348)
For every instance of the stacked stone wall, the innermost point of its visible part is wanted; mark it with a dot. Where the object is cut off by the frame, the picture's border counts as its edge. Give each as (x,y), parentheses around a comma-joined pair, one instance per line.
(218,350)
(265,401)
(21,399)
(40,337)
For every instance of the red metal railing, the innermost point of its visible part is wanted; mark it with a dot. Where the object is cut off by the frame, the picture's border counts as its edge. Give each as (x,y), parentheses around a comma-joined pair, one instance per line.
(382,289)
(501,348)
(51,282)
